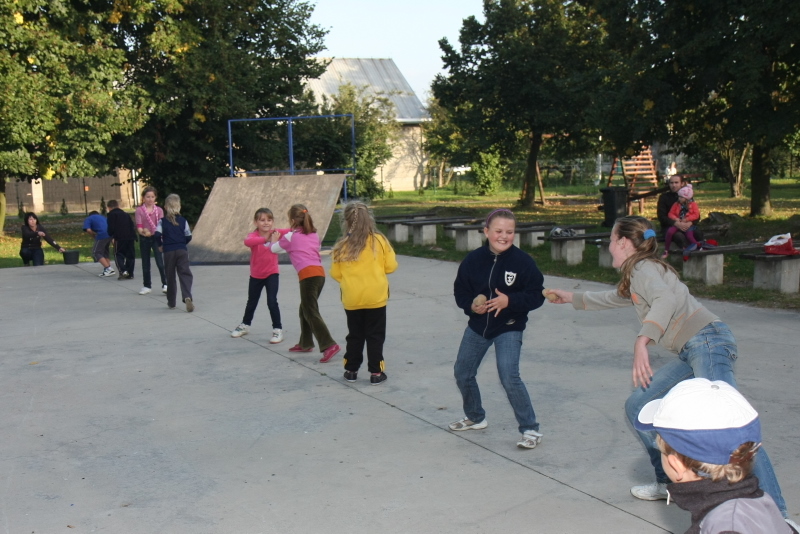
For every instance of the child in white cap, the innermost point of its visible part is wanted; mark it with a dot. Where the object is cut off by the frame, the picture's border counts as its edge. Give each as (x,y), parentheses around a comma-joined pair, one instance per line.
(708,435)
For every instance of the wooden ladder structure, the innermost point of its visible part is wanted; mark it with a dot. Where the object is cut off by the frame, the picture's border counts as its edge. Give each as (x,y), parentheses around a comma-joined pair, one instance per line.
(640,175)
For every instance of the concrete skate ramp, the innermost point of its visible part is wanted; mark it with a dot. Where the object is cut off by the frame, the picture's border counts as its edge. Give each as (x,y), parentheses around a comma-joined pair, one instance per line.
(228,214)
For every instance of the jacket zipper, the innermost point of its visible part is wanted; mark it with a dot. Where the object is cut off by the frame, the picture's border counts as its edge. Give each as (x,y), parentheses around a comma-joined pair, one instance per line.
(491,272)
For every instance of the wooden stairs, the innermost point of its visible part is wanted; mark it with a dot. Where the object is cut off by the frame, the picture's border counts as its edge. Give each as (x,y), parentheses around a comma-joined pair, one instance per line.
(640,175)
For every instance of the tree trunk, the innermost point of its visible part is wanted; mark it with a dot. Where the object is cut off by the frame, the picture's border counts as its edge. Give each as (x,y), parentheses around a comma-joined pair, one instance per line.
(724,168)
(760,182)
(528,196)
(541,185)
(738,189)
(2,204)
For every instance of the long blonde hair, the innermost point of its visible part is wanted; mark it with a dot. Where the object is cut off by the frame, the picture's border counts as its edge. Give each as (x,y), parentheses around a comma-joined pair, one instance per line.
(172,208)
(633,228)
(358,225)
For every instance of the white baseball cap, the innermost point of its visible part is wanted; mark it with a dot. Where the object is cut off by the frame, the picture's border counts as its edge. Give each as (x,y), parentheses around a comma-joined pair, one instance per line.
(701,419)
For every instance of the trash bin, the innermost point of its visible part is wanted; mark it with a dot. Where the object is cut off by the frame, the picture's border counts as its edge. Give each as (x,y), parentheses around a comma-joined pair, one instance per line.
(71,257)
(615,204)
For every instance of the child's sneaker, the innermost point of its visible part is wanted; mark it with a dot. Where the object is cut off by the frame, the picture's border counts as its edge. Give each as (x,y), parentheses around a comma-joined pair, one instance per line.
(107,272)
(691,248)
(145,291)
(189,304)
(277,335)
(530,439)
(656,491)
(240,330)
(350,376)
(164,288)
(665,255)
(123,275)
(329,353)
(298,348)
(380,378)
(466,424)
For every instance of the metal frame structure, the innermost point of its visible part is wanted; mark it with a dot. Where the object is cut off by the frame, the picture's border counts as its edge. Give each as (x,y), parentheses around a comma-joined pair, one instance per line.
(291,169)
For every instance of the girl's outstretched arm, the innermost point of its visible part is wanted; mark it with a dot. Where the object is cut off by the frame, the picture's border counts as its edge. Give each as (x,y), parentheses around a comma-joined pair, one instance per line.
(642,374)
(561,296)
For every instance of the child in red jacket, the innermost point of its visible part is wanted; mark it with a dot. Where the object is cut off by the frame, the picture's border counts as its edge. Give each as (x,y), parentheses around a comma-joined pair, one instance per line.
(685,210)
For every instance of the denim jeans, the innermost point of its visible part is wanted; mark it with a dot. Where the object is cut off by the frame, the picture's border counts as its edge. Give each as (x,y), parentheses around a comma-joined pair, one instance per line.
(35,255)
(146,245)
(254,289)
(507,347)
(710,354)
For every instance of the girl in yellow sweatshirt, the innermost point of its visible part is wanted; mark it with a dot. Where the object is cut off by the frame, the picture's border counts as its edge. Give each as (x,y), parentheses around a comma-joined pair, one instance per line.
(362,258)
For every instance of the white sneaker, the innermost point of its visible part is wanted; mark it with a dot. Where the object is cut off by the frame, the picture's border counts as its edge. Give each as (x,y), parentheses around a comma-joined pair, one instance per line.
(530,439)
(657,491)
(164,289)
(240,330)
(277,335)
(108,272)
(466,424)
(145,291)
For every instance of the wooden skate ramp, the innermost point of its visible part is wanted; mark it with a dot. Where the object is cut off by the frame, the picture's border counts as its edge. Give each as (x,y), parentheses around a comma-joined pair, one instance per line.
(228,213)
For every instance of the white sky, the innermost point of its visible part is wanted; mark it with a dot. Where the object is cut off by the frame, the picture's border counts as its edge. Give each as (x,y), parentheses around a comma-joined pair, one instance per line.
(407,31)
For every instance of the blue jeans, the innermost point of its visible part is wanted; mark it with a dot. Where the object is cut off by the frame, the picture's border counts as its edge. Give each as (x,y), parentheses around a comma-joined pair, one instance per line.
(710,354)
(146,245)
(254,288)
(35,255)
(507,348)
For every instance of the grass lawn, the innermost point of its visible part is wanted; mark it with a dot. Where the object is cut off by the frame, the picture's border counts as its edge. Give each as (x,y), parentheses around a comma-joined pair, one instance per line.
(566,205)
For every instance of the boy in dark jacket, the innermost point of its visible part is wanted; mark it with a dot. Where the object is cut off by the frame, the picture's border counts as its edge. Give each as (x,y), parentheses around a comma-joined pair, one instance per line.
(123,233)
(708,435)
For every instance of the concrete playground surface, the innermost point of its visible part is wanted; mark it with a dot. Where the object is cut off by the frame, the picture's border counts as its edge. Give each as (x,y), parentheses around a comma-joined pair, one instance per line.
(119,415)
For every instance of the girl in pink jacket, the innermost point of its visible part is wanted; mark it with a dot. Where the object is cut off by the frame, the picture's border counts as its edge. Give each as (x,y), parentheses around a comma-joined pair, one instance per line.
(263,275)
(302,243)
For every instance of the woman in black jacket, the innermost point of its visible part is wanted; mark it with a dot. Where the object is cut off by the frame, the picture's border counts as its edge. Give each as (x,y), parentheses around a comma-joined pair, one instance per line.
(32,234)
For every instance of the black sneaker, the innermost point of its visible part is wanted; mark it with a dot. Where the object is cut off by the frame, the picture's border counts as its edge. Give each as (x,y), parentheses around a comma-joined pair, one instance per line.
(377,379)
(350,376)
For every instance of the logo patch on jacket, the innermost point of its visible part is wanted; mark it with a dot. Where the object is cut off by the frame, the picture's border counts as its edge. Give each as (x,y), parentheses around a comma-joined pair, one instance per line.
(510,277)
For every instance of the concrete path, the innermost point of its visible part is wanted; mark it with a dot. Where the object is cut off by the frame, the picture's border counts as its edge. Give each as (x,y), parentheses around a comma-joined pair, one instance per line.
(119,415)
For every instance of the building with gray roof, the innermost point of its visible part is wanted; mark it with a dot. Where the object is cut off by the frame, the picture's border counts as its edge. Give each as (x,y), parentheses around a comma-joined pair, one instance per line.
(405,171)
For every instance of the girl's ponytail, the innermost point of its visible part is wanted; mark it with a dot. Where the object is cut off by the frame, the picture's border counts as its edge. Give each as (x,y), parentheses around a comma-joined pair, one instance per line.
(640,233)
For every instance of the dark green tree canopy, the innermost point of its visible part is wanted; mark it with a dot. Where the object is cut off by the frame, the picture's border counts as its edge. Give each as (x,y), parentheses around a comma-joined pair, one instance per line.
(528,71)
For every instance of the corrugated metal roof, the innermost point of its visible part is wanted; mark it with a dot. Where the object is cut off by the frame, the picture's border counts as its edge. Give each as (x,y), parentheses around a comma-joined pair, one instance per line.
(380,76)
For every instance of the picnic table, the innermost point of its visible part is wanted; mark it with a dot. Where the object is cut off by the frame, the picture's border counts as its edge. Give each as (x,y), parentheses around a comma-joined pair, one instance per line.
(397,227)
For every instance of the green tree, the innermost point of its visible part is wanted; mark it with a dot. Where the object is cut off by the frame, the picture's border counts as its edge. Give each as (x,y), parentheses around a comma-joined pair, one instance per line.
(203,63)
(444,142)
(64,90)
(488,173)
(736,63)
(527,72)
(329,142)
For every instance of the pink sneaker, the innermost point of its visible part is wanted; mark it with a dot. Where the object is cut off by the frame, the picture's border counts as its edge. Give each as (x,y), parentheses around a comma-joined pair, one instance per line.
(329,353)
(298,348)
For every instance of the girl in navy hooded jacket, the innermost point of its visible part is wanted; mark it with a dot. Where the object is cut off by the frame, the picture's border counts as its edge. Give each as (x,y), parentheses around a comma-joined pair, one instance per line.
(496,286)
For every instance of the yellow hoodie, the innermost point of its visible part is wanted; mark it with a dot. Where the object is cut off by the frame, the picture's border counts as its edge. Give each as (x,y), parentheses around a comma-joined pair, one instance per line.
(363,282)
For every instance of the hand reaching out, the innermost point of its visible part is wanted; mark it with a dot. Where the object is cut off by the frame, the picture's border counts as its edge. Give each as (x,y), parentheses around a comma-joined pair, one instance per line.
(558,296)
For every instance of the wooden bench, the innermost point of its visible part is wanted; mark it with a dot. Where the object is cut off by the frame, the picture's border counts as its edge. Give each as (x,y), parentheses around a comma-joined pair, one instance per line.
(773,271)
(470,236)
(424,230)
(570,248)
